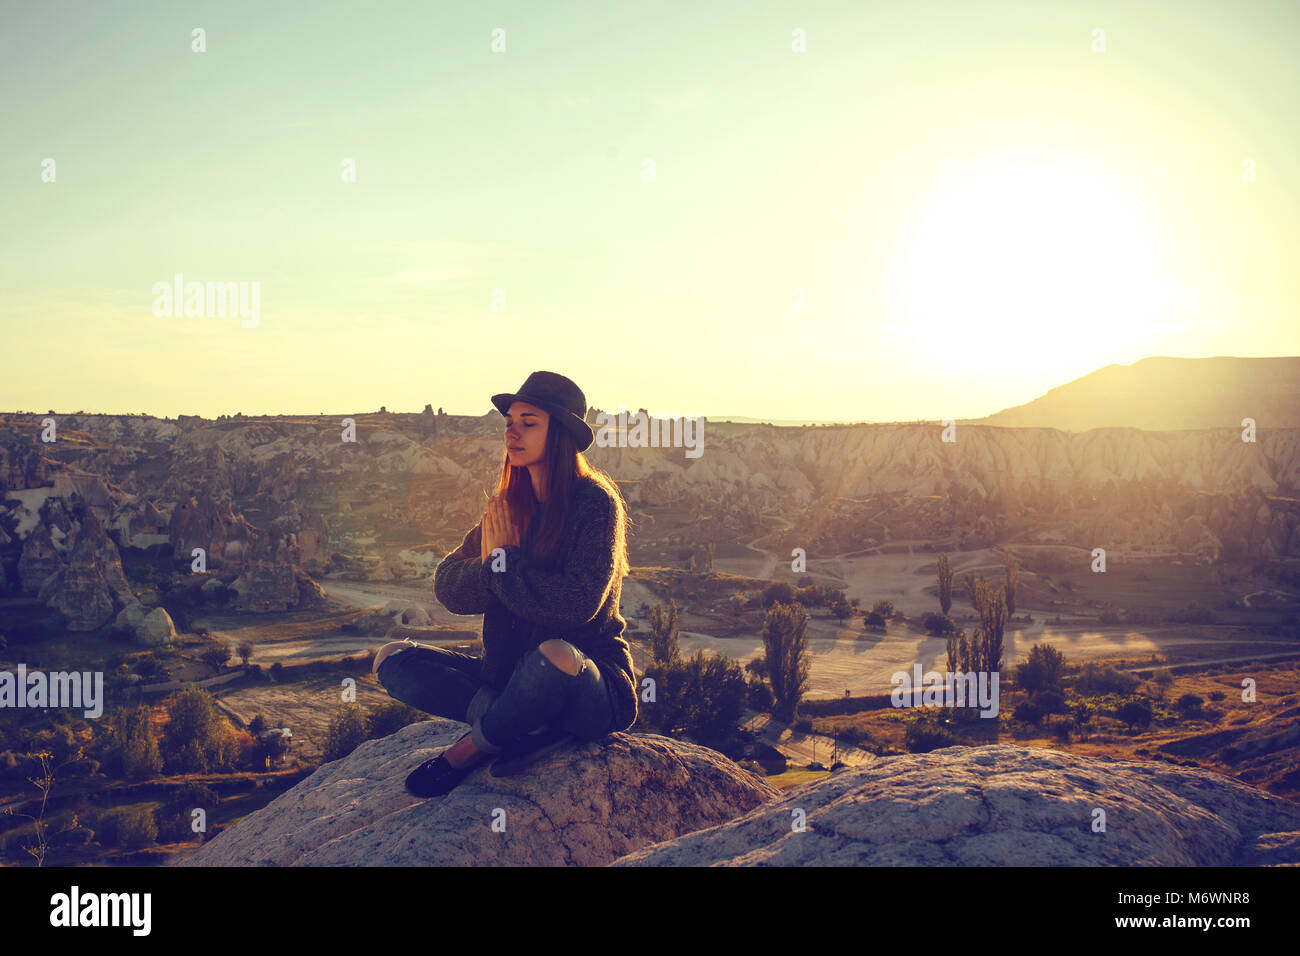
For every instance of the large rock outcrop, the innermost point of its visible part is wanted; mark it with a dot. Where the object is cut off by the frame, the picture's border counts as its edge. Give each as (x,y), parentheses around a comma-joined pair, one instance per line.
(70,563)
(1002,805)
(262,565)
(646,800)
(152,627)
(585,805)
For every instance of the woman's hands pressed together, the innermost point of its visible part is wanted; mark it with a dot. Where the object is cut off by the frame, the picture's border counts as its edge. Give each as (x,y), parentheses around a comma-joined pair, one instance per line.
(498,528)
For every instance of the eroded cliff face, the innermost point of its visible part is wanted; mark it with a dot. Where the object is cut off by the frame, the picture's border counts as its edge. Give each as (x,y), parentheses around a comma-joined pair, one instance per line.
(273,501)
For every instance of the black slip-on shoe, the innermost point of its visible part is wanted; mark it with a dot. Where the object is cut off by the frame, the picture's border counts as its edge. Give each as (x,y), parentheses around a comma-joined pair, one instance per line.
(436,777)
(529,749)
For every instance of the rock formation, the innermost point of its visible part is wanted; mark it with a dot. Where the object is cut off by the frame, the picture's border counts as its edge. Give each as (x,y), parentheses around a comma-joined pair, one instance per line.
(646,800)
(69,562)
(585,805)
(151,627)
(1002,805)
(261,565)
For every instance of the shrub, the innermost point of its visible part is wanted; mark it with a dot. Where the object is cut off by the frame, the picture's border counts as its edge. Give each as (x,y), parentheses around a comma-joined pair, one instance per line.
(925,733)
(1095,679)
(778,591)
(702,697)
(937,624)
(1042,670)
(216,656)
(874,619)
(814,595)
(1135,712)
(1108,619)
(197,738)
(884,608)
(1050,702)
(174,818)
(1060,725)
(347,729)
(135,753)
(390,717)
(1216,695)
(1028,712)
(1189,705)
(1082,714)
(126,827)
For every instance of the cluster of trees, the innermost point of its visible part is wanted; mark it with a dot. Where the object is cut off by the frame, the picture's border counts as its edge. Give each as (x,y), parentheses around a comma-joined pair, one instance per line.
(1011,582)
(351,725)
(1042,676)
(173,822)
(197,738)
(812,595)
(705,696)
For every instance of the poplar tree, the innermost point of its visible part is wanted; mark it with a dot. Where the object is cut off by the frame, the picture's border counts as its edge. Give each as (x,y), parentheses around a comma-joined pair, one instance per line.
(663,633)
(992,607)
(945,583)
(135,742)
(785,643)
(1013,578)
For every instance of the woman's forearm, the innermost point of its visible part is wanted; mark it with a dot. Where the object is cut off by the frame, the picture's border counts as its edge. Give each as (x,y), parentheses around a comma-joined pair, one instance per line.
(459,581)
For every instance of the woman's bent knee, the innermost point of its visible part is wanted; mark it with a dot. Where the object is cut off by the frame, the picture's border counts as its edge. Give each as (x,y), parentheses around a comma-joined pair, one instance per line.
(386,651)
(561,654)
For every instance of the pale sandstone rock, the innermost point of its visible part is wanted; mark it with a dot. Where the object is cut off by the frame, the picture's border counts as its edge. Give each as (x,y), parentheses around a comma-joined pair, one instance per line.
(585,805)
(1002,805)
(157,628)
(151,627)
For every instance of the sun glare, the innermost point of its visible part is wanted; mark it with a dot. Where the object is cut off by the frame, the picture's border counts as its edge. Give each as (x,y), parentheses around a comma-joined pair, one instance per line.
(1026,261)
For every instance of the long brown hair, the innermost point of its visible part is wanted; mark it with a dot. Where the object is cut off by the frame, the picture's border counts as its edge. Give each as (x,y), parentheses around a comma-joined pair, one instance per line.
(564,466)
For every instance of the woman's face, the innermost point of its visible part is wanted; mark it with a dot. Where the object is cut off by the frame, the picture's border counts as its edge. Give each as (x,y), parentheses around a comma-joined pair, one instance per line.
(526,434)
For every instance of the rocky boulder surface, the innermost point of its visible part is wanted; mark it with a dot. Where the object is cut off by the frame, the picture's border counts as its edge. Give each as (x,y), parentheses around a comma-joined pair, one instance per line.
(1001,805)
(584,805)
(154,627)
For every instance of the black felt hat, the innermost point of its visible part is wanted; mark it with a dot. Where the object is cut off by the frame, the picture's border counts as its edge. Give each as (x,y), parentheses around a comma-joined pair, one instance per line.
(559,397)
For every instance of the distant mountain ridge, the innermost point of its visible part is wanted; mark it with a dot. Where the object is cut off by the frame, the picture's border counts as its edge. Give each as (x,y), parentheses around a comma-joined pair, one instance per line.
(1168,394)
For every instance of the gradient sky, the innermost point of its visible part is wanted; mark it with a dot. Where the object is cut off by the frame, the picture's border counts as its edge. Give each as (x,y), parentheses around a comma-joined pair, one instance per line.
(976,206)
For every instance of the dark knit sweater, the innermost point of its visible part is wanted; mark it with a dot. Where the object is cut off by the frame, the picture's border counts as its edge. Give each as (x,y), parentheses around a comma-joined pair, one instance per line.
(526,603)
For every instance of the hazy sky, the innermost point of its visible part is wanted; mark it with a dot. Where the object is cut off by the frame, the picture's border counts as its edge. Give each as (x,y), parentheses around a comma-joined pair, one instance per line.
(940,209)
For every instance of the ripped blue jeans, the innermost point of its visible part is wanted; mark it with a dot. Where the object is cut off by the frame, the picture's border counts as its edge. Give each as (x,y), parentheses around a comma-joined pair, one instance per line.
(537,695)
